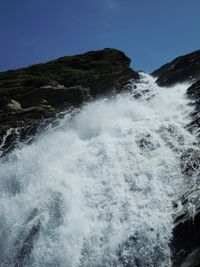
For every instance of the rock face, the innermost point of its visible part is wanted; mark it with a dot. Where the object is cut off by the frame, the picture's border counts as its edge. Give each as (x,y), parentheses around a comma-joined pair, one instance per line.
(29,95)
(183,68)
(186,234)
(187,225)
(194,93)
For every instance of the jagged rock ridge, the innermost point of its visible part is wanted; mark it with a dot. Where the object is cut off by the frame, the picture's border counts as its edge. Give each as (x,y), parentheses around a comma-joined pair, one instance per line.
(181,69)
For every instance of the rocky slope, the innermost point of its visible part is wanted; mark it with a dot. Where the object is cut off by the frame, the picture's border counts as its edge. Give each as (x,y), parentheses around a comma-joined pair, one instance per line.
(183,68)
(30,95)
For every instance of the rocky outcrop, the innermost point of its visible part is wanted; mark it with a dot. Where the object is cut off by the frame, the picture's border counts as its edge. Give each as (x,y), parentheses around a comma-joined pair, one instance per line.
(30,95)
(193,92)
(181,69)
(186,234)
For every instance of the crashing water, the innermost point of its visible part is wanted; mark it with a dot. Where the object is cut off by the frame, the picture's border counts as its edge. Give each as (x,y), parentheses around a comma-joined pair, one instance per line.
(97,190)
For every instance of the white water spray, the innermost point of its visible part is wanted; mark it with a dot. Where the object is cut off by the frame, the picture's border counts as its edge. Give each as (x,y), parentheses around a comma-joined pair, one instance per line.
(97,190)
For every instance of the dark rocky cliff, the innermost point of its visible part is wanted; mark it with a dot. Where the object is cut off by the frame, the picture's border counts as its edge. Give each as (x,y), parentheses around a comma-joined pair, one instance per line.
(181,69)
(186,234)
(30,95)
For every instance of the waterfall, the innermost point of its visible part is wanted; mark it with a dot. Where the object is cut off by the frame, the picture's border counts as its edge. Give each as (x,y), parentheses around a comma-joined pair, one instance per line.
(97,189)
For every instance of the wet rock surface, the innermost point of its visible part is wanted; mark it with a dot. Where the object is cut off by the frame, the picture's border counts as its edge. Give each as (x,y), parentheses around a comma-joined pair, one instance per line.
(193,92)
(186,235)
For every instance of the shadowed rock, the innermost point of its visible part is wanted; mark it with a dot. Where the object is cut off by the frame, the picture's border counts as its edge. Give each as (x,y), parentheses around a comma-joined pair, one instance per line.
(181,69)
(194,93)
(186,233)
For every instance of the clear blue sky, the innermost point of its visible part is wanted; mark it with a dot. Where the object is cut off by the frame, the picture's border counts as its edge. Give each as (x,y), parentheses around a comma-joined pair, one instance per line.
(151,32)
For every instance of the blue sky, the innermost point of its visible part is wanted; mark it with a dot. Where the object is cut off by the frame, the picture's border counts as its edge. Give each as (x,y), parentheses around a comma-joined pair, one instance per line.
(150,32)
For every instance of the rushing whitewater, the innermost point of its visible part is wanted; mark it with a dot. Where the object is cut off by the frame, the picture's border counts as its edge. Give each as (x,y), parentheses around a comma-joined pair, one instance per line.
(97,190)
